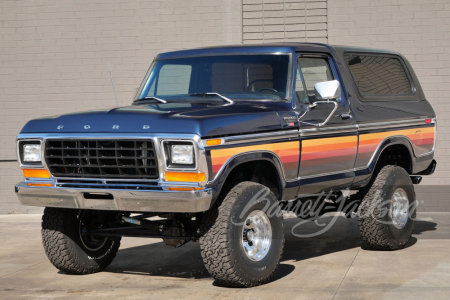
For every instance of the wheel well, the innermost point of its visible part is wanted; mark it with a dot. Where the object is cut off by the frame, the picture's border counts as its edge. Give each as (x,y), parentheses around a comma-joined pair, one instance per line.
(260,171)
(398,155)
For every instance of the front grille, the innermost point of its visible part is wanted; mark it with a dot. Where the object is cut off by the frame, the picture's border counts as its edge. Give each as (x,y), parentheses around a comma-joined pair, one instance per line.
(123,159)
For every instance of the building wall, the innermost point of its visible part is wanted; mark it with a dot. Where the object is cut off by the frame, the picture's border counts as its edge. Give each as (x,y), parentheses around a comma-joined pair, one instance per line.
(54,57)
(266,21)
(420,30)
(54,54)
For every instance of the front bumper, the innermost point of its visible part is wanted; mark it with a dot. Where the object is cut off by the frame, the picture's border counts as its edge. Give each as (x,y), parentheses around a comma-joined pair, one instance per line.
(122,200)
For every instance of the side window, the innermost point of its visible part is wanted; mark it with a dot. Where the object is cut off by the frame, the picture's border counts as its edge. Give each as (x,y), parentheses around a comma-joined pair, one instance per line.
(172,80)
(301,96)
(311,70)
(379,75)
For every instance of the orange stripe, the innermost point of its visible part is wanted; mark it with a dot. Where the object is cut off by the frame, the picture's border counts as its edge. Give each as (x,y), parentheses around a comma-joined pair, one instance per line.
(326,141)
(328,147)
(286,151)
(407,132)
(271,147)
(376,138)
(224,158)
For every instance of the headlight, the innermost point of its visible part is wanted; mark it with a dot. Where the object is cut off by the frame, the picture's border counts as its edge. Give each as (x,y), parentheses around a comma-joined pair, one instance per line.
(182,154)
(31,152)
(179,154)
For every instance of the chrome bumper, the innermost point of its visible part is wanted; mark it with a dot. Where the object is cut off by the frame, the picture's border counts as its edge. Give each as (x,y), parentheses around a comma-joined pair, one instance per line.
(123,200)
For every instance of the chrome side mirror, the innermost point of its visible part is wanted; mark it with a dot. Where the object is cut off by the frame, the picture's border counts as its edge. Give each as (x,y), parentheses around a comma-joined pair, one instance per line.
(327,90)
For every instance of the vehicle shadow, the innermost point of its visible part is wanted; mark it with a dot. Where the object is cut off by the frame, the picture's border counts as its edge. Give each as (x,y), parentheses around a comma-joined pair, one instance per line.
(157,259)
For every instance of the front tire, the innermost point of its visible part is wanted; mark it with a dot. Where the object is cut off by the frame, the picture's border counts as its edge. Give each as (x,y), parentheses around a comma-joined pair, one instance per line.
(387,213)
(243,237)
(67,249)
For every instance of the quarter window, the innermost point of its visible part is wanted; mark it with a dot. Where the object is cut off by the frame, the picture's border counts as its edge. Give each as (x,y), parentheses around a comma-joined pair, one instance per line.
(379,75)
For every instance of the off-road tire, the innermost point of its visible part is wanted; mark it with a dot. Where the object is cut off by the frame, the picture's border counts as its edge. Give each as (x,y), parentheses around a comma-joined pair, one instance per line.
(64,248)
(221,242)
(375,223)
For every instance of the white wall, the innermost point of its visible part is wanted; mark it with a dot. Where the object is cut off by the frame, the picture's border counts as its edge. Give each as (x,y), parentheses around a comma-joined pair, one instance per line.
(54,57)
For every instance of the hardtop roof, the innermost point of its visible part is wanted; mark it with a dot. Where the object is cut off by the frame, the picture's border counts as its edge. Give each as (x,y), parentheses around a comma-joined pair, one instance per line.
(266,48)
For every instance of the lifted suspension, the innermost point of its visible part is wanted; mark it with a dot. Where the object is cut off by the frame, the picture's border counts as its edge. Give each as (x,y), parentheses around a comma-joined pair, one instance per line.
(175,231)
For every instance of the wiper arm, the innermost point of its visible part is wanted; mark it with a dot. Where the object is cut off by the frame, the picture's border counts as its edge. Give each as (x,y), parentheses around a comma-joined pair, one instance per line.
(151,98)
(212,94)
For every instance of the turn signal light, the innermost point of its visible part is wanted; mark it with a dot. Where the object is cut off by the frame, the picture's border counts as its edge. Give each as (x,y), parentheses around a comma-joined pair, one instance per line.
(185,176)
(36,173)
(185,188)
(213,142)
(39,184)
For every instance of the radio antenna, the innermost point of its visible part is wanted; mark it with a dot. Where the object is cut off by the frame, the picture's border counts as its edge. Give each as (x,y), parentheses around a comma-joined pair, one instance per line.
(112,81)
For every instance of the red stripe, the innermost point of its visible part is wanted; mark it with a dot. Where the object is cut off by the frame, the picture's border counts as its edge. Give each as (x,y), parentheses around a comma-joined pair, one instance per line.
(216,168)
(429,141)
(367,148)
(289,158)
(291,166)
(325,154)
(328,160)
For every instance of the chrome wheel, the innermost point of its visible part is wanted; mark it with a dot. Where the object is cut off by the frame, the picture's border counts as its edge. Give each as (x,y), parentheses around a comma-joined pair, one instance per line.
(257,235)
(399,211)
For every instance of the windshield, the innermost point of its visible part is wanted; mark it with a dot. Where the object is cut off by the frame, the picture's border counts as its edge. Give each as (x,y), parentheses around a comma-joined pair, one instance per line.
(239,77)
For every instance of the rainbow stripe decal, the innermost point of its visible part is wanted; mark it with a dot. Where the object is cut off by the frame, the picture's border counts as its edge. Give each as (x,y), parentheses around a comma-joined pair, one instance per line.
(325,155)
(288,152)
(421,138)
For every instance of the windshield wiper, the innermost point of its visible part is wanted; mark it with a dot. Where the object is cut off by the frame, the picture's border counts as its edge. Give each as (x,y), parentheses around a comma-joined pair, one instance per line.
(151,98)
(212,94)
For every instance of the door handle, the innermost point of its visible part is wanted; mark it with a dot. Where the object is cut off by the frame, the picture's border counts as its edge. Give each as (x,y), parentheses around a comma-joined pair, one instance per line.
(346,116)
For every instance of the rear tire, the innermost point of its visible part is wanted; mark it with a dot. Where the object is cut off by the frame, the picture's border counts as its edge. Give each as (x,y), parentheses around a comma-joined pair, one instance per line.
(387,213)
(67,249)
(243,236)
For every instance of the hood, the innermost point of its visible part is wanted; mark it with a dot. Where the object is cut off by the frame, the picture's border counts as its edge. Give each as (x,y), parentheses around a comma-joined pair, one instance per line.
(204,119)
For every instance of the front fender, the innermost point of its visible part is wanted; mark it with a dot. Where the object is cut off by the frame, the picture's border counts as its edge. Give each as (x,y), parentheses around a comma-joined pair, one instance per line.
(286,188)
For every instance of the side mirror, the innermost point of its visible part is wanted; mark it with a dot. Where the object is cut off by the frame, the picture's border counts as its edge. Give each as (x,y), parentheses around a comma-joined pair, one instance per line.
(327,90)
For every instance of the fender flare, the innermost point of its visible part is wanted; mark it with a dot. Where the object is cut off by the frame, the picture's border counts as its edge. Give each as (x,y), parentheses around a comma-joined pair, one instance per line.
(391,141)
(218,182)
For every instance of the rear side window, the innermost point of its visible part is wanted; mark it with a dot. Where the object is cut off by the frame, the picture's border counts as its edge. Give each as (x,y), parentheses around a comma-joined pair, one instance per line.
(379,75)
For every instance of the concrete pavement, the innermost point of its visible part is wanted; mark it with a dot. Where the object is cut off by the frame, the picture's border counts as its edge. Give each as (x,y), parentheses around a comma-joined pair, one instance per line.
(329,266)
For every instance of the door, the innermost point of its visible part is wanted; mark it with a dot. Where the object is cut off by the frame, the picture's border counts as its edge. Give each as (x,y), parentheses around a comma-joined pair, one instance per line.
(328,132)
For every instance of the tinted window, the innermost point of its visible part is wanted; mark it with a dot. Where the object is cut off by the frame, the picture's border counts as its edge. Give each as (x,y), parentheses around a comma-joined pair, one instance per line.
(309,72)
(173,80)
(379,75)
(234,76)
(241,77)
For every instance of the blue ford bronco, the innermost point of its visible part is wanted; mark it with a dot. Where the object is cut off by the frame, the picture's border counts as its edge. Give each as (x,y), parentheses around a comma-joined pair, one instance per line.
(218,142)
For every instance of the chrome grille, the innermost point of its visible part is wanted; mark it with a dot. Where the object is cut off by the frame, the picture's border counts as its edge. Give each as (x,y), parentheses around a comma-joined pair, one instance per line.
(123,159)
